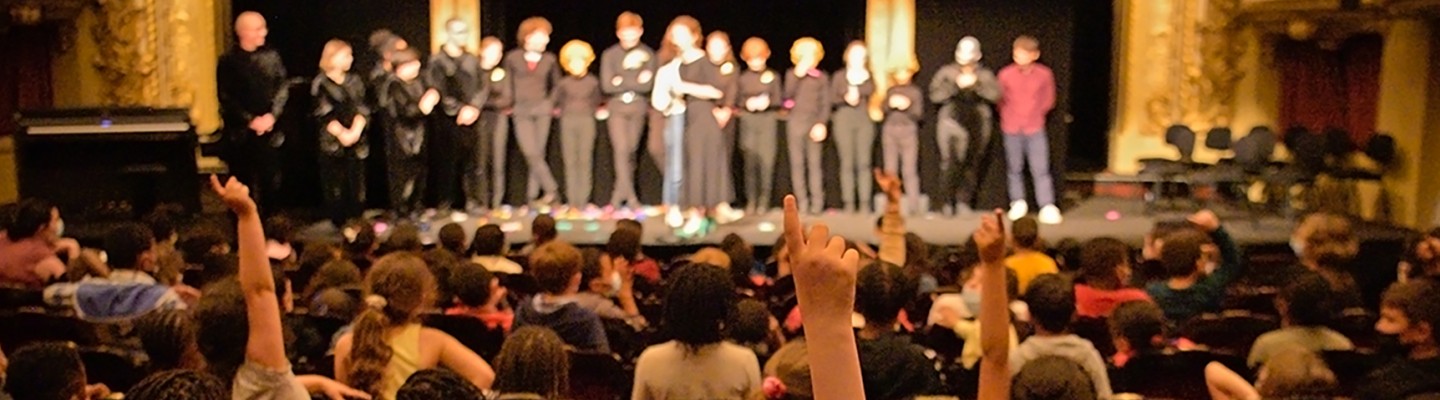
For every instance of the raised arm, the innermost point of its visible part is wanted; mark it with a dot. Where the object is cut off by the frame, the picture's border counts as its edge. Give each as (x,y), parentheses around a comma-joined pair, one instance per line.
(266,345)
(994,311)
(1230,265)
(825,285)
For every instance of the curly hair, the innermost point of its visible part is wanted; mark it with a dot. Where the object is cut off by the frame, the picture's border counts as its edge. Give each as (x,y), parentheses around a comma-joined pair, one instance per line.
(533,360)
(407,286)
(179,384)
(437,384)
(576,50)
(169,338)
(46,371)
(881,290)
(1100,260)
(222,329)
(750,322)
(700,299)
(471,283)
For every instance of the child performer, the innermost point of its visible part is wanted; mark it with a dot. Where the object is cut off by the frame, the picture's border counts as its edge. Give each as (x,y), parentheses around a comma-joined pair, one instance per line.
(899,136)
(807,97)
(669,103)
(854,132)
(721,53)
(1029,94)
(406,103)
(577,97)
(967,93)
(704,164)
(627,73)
(455,74)
(534,73)
(341,113)
(759,95)
(494,123)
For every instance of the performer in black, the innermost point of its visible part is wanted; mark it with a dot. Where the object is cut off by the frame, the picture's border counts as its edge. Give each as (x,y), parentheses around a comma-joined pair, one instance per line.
(807,95)
(494,125)
(705,168)
(252,90)
(899,135)
(627,72)
(455,74)
(534,72)
(341,114)
(577,96)
(406,104)
(384,44)
(967,93)
(721,53)
(759,96)
(853,131)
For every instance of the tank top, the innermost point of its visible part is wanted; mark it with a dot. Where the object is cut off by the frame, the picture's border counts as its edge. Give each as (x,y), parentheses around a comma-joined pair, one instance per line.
(404,360)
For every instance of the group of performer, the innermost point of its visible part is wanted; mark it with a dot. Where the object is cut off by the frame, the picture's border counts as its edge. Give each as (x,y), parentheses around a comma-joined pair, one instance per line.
(447,120)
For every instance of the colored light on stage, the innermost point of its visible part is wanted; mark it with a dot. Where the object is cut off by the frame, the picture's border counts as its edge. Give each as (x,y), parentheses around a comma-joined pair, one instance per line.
(564,226)
(1112,215)
(592,227)
(767,227)
(512,227)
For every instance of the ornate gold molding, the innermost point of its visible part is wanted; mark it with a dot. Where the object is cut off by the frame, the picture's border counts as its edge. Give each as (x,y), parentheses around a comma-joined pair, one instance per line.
(1200,53)
(126,57)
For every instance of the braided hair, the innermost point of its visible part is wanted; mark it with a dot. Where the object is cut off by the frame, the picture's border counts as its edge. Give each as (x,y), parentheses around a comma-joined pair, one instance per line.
(437,384)
(179,384)
(169,338)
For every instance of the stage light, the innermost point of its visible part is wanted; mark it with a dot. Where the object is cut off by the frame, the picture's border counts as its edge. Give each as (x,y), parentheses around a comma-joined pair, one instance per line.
(1112,215)
(592,227)
(767,227)
(513,226)
(564,226)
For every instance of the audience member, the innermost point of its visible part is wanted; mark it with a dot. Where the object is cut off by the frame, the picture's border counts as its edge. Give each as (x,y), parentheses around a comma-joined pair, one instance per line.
(1052,378)
(49,371)
(556,269)
(29,245)
(169,263)
(1423,259)
(1306,306)
(960,312)
(1192,288)
(478,295)
(129,290)
(336,274)
(434,384)
(404,236)
(712,256)
(1104,277)
(697,363)
(388,344)
(1029,260)
(1138,330)
(441,263)
(452,239)
(1052,305)
(206,248)
(360,243)
(628,244)
(179,384)
(488,249)
(893,367)
(532,364)
(1292,373)
(169,340)
(542,231)
(787,373)
(1326,244)
(1409,318)
(752,326)
(608,278)
(747,272)
(279,241)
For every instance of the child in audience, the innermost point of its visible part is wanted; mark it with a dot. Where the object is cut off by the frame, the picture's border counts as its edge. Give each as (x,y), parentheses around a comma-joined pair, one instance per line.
(478,294)
(1105,275)
(752,326)
(1052,305)
(697,363)
(433,384)
(179,384)
(48,371)
(388,344)
(169,340)
(1305,306)
(1029,260)
(488,249)
(644,267)
(1138,330)
(893,366)
(608,278)
(337,274)
(1192,288)
(1326,244)
(452,239)
(1409,315)
(130,290)
(1052,378)
(1423,259)
(404,236)
(556,269)
(30,243)
(532,364)
(542,231)
(1293,373)
(361,242)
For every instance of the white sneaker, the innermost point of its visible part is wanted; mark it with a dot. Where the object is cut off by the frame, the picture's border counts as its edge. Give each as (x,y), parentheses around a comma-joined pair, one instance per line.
(1050,215)
(673,217)
(1018,209)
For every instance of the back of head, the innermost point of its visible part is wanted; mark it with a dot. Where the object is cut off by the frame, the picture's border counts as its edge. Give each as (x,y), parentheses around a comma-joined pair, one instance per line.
(489,241)
(1419,301)
(1328,240)
(27,218)
(200,240)
(741,254)
(750,323)
(334,274)
(554,265)
(452,237)
(126,245)
(437,384)
(1182,251)
(397,288)
(532,360)
(46,371)
(1307,300)
(624,243)
(543,228)
(359,237)
(280,228)
(221,327)
(1140,323)
(590,267)
(1052,302)
(630,224)
(881,290)
(1099,260)
(168,338)
(404,237)
(1295,372)
(440,264)
(1052,378)
(471,283)
(713,256)
(1026,232)
(162,221)
(699,300)
(179,384)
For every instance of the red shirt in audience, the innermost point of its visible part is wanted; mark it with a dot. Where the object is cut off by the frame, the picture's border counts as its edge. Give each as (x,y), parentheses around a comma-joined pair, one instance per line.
(493,319)
(1096,303)
(647,268)
(29,262)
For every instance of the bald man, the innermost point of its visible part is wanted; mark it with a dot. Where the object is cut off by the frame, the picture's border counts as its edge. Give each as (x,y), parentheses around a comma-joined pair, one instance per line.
(252,89)
(967,93)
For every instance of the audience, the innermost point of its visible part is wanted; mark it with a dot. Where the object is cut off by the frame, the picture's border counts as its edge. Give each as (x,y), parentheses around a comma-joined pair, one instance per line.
(360,243)
(488,249)
(697,363)
(1192,287)
(1138,330)
(556,269)
(1052,378)
(179,384)
(608,278)
(1326,244)
(404,236)
(49,371)
(452,239)
(129,290)
(1104,277)
(1052,306)
(1293,373)
(1409,318)
(533,364)
(28,246)
(388,344)
(542,231)
(478,294)
(628,244)
(752,326)
(1029,260)
(893,366)
(1423,259)
(433,384)
(1306,305)
(170,340)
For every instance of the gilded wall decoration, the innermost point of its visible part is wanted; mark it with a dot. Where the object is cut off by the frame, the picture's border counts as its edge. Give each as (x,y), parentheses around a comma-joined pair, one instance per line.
(127,60)
(1202,51)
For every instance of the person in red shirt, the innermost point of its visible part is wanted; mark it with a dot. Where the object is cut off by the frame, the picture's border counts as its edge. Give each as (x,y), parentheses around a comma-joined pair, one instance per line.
(1029,94)
(1104,272)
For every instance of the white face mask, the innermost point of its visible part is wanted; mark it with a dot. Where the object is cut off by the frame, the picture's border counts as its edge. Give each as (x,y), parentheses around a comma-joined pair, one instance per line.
(615,283)
(1298,246)
(59,228)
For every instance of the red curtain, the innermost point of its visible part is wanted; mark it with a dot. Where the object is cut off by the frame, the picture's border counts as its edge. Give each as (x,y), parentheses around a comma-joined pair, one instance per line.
(1330,87)
(25,75)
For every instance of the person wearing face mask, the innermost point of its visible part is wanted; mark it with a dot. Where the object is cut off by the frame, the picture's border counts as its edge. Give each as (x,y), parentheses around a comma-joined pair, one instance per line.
(760,97)
(129,290)
(1410,320)
(1193,286)
(455,75)
(577,102)
(534,74)
(342,114)
(609,288)
(494,123)
(406,104)
(627,72)
(967,93)
(251,85)
(29,245)
(854,132)
(960,312)
(1424,259)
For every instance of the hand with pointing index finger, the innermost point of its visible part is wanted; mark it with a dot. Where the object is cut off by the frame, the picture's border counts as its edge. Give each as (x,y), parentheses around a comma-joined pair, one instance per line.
(824,270)
(235,194)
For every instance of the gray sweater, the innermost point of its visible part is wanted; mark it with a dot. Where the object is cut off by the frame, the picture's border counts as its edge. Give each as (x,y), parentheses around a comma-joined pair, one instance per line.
(1069,347)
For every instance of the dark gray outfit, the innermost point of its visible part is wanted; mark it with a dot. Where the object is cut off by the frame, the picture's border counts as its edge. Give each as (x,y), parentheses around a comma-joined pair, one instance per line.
(577,98)
(494,129)
(900,141)
(966,123)
(451,145)
(854,135)
(629,107)
(252,84)
(342,168)
(808,98)
(706,169)
(759,135)
(534,105)
(405,148)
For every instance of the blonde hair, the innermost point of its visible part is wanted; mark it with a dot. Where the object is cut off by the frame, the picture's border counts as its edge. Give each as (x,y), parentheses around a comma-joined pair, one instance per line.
(532,25)
(1295,371)
(332,47)
(754,47)
(713,256)
(1328,238)
(576,50)
(806,46)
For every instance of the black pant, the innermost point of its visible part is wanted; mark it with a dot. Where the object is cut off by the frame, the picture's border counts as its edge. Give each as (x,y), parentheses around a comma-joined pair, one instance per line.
(758,138)
(805,174)
(255,161)
(406,173)
(342,185)
(960,152)
(444,147)
(494,133)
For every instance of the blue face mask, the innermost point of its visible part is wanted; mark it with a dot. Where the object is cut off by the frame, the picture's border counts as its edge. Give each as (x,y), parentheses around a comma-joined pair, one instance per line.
(972,301)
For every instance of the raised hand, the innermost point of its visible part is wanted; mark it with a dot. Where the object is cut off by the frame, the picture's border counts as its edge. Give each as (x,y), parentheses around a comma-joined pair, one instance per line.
(990,239)
(824,270)
(1205,219)
(235,194)
(889,184)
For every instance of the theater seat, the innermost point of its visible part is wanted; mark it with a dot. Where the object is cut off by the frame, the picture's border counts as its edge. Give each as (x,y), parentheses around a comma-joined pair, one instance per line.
(1229,333)
(599,376)
(471,332)
(1097,331)
(1350,368)
(117,368)
(18,329)
(1178,375)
